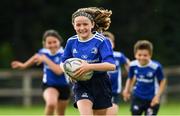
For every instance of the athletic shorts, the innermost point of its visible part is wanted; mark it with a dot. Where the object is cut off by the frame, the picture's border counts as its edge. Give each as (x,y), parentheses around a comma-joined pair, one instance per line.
(115,99)
(97,90)
(139,106)
(64,91)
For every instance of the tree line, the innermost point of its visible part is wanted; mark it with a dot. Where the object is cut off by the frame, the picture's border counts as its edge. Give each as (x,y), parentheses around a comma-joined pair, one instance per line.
(23,23)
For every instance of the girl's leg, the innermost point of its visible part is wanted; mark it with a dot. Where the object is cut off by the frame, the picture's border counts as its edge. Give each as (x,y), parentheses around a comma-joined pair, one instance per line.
(50,96)
(113,110)
(61,107)
(85,107)
(100,112)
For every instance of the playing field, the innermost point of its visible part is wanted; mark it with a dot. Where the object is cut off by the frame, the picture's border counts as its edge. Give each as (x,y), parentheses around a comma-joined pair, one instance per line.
(166,109)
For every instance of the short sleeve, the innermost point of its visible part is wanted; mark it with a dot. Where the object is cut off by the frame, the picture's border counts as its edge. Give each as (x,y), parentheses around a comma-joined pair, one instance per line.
(123,59)
(159,73)
(106,52)
(67,51)
(131,72)
(43,51)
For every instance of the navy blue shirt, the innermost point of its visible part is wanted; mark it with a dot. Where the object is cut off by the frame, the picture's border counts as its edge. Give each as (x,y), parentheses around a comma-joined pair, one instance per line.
(147,78)
(93,50)
(49,77)
(116,76)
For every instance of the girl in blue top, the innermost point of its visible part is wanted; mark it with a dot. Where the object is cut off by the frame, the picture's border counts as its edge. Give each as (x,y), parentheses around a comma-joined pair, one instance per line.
(150,82)
(56,89)
(92,97)
(116,76)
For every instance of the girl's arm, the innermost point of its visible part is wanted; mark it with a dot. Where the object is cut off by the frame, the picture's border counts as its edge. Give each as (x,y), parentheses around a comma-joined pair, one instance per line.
(102,67)
(86,67)
(20,65)
(54,67)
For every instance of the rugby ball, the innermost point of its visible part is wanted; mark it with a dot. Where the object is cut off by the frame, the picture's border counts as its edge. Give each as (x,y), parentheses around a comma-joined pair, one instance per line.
(71,65)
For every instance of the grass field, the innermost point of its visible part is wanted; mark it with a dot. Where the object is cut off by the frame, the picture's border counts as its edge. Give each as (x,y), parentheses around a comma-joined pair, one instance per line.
(166,109)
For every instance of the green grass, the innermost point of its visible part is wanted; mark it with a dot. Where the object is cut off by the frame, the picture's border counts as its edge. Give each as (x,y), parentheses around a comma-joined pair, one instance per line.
(34,110)
(166,109)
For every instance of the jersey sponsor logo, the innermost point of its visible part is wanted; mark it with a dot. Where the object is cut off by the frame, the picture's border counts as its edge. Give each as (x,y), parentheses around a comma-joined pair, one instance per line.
(145,80)
(84,56)
(93,61)
(94,50)
(141,76)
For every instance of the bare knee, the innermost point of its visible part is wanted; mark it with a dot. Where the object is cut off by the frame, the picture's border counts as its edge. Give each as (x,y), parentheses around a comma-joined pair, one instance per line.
(100,112)
(51,105)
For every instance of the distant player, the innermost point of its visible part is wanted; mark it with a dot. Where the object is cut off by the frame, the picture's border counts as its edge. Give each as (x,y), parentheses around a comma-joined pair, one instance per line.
(116,76)
(150,82)
(92,97)
(56,89)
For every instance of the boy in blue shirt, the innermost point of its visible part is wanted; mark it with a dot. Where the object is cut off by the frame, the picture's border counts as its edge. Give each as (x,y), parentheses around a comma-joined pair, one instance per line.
(150,82)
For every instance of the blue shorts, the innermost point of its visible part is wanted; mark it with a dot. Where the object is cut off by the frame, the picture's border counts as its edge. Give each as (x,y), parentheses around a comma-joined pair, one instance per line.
(64,91)
(140,106)
(97,90)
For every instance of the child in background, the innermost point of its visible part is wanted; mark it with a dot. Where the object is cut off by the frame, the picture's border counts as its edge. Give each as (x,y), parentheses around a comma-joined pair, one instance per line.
(56,89)
(92,97)
(150,82)
(116,76)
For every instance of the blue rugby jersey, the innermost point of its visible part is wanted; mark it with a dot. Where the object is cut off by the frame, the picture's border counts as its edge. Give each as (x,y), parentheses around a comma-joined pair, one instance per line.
(147,78)
(93,50)
(49,77)
(116,76)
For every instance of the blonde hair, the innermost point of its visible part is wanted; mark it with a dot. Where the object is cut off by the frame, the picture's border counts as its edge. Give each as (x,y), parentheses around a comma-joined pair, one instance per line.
(100,16)
(143,45)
